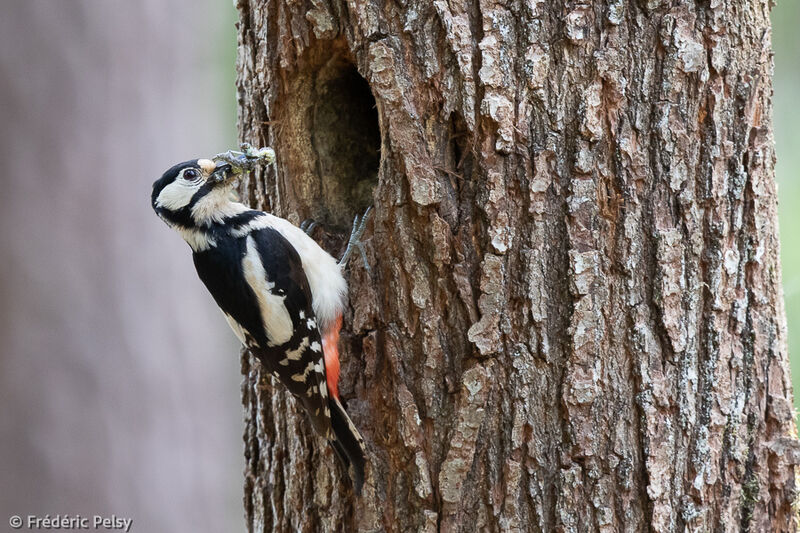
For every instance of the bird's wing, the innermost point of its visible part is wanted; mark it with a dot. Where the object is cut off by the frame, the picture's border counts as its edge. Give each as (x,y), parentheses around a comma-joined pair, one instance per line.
(297,362)
(221,269)
(273,316)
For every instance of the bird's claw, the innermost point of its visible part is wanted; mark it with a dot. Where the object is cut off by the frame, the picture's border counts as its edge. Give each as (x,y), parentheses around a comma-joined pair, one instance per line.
(359,225)
(308,226)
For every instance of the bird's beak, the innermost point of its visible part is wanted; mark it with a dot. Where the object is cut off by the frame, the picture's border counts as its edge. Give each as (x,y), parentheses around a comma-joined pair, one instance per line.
(222,173)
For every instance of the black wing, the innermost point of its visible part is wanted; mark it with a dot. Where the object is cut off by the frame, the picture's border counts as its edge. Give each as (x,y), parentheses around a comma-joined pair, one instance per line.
(297,362)
(220,269)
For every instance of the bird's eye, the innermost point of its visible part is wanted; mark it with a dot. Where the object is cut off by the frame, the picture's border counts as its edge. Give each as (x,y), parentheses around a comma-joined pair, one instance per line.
(190,174)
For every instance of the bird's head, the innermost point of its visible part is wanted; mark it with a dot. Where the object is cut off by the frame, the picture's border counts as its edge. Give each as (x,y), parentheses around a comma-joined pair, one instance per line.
(194,193)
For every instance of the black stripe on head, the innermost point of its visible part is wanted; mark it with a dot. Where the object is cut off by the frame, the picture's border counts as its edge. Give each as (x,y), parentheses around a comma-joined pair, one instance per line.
(201,192)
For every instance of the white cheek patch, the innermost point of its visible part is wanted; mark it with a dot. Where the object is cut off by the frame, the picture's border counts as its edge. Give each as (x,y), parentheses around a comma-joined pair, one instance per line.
(277,322)
(176,195)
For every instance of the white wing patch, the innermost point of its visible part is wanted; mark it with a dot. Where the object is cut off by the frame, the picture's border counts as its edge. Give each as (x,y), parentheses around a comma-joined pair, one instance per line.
(302,377)
(297,354)
(328,286)
(259,222)
(277,322)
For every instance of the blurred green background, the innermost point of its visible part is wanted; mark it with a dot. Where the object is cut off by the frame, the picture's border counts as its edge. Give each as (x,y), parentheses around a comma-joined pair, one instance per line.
(786,43)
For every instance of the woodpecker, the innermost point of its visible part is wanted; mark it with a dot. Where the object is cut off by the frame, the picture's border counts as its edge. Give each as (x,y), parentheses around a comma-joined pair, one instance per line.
(281,293)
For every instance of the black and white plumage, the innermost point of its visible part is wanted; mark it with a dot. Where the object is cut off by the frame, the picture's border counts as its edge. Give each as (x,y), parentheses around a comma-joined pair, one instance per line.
(281,293)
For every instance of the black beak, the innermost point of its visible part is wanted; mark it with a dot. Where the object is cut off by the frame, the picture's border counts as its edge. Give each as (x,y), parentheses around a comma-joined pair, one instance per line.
(222,173)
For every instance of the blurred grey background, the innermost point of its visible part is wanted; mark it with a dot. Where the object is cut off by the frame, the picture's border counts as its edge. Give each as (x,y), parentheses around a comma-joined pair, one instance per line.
(786,42)
(119,382)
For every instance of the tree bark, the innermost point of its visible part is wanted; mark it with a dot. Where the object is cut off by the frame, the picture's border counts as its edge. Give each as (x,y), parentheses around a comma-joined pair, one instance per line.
(573,318)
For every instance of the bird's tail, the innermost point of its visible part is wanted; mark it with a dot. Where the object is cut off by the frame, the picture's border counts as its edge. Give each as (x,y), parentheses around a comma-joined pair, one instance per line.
(347,442)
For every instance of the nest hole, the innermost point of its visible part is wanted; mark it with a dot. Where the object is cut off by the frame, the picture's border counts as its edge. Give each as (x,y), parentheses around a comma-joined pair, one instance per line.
(347,140)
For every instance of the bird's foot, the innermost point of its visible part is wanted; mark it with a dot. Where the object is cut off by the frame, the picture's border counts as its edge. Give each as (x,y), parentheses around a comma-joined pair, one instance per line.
(359,225)
(308,226)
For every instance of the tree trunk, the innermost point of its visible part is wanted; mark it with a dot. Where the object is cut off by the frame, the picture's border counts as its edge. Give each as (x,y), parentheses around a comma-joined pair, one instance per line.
(573,318)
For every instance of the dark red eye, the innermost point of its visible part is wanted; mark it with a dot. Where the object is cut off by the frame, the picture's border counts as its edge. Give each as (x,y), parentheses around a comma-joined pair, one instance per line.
(190,174)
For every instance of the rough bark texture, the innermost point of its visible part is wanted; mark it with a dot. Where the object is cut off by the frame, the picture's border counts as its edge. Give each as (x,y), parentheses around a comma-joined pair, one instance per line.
(574,316)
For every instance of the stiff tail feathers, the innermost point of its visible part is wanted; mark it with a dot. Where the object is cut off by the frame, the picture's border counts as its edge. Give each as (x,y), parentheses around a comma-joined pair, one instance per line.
(348,443)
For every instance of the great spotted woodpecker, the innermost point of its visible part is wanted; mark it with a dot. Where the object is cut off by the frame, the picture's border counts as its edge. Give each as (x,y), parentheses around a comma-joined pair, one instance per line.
(280,292)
